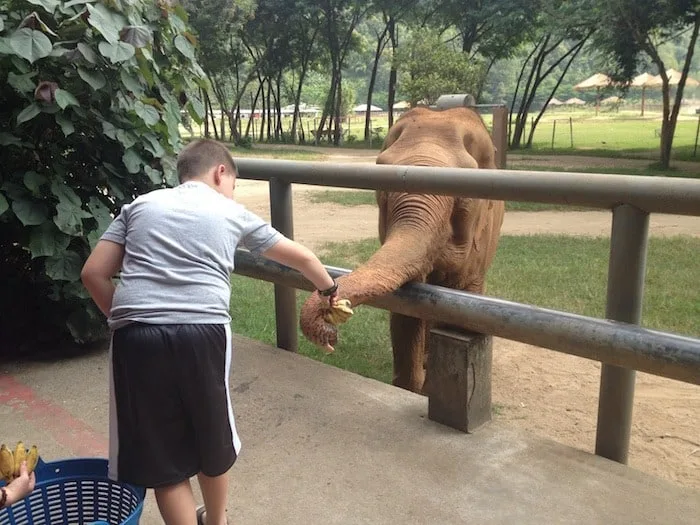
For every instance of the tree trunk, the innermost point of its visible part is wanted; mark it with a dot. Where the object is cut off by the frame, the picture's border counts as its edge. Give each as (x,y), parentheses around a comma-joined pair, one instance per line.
(381,43)
(577,49)
(393,36)
(206,113)
(338,107)
(253,105)
(515,94)
(211,113)
(521,118)
(670,116)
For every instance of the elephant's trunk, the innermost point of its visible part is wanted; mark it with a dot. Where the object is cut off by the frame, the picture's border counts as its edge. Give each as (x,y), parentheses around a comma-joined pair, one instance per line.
(416,234)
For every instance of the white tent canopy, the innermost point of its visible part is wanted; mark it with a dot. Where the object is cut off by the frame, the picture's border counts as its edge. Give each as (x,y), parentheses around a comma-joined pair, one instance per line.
(363,108)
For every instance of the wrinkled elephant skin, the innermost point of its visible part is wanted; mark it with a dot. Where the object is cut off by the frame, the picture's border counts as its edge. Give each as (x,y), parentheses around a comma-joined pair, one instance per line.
(448,241)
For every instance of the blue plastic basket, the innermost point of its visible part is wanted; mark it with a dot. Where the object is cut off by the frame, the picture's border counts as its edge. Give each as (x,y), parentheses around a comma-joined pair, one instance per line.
(76,492)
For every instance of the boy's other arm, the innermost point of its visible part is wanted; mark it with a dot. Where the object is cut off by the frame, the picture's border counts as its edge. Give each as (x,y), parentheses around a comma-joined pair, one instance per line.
(294,255)
(102,265)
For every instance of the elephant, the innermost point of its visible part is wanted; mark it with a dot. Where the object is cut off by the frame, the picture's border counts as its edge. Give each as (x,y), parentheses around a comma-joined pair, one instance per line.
(443,240)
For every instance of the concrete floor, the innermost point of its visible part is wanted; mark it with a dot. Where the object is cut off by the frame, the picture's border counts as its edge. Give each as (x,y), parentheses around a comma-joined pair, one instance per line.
(323,446)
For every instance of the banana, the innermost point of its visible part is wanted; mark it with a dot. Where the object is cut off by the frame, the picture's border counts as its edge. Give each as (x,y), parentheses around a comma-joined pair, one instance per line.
(7,464)
(339,313)
(32,459)
(20,456)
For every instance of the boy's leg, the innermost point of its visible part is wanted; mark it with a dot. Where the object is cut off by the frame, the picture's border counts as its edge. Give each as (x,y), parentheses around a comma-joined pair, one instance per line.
(215,494)
(176,504)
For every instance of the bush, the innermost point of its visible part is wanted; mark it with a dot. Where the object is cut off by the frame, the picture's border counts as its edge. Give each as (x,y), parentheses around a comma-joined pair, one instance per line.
(90,101)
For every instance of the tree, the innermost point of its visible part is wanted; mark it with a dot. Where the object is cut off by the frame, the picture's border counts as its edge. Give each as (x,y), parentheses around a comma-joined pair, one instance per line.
(558,34)
(633,28)
(90,106)
(340,20)
(431,68)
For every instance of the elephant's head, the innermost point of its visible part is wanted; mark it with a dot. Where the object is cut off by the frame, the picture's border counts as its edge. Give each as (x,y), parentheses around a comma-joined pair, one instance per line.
(423,236)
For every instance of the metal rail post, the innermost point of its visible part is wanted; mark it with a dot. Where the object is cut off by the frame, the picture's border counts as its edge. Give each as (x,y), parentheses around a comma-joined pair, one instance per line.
(628,248)
(285,297)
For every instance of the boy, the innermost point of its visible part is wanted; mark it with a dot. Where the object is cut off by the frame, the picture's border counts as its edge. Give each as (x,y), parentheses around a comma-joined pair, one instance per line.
(170,357)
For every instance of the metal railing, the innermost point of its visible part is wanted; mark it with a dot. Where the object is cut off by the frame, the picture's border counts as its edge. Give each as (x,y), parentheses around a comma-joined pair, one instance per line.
(618,343)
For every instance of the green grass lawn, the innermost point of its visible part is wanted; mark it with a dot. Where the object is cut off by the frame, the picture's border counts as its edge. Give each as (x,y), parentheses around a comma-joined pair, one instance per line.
(564,273)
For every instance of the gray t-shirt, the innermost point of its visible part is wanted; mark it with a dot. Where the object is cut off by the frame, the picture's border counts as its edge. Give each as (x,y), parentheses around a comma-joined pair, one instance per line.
(179,245)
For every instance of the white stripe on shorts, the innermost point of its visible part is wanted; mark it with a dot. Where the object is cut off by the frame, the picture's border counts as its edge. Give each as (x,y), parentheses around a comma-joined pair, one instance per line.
(112,469)
(231,419)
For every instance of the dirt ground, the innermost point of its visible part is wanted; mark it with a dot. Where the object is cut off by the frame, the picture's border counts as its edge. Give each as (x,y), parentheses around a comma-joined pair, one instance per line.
(550,394)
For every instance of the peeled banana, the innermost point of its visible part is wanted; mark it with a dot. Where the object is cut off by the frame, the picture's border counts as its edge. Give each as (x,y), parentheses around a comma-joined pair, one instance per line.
(339,313)
(10,462)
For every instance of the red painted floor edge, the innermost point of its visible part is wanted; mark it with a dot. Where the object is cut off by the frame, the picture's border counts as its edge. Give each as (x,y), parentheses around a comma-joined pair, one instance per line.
(68,431)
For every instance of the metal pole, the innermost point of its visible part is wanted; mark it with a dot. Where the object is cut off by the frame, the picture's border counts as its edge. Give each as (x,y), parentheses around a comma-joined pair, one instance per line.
(628,249)
(697,134)
(285,297)
(500,135)
(554,130)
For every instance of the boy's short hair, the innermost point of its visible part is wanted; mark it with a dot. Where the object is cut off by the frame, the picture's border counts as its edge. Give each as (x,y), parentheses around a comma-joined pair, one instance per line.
(201,155)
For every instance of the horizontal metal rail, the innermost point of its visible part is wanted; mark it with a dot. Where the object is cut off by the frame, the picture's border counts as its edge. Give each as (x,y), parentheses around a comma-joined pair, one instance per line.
(614,343)
(649,194)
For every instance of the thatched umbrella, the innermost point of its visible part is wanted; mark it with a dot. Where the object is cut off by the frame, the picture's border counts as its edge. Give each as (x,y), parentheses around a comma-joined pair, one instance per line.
(597,81)
(643,81)
(574,102)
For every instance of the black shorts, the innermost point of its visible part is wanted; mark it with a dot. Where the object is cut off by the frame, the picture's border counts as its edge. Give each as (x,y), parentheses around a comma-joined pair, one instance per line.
(170,408)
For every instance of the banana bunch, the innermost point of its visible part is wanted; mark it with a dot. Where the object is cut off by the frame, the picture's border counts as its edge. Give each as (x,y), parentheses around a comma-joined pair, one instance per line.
(10,462)
(338,313)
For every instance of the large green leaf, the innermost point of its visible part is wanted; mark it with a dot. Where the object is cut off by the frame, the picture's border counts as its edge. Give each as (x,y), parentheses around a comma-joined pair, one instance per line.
(28,113)
(152,145)
(147,113)
(64,267)
(198,107)
(66,124)
(117,52)
(155,175)
(131,83)
(5,47)
(15,191)
(65,99)
(100,213)
(33,181)
(106,22)
(169,164)
(127,138)
(78,2)
(48,5)
(4,206)
(8,139)
(69,218)
(22,83)
(30,44)
(132,160)
(30,212)
(183,46)
(65,194)
(87,53)
(94,79)
(46,240)
(137,36)
(109,129)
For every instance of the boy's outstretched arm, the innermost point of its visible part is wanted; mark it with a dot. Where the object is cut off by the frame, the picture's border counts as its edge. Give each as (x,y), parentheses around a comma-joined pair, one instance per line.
(294,255)
(102,265)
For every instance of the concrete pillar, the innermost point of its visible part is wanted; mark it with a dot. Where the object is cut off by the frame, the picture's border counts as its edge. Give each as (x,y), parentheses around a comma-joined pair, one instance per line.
(499,135)
(458,378)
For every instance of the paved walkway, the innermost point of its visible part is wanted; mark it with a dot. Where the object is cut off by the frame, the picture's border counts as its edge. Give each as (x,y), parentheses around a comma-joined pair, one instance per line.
(323,446)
